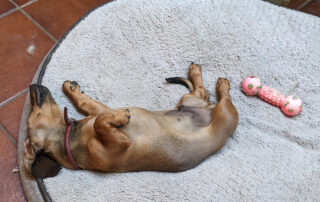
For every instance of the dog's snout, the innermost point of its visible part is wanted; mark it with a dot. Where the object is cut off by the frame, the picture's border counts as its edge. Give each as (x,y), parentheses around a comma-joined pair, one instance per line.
(38,93)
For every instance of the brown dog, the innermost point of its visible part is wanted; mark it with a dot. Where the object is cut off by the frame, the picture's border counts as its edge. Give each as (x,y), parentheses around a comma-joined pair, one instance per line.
(132,139)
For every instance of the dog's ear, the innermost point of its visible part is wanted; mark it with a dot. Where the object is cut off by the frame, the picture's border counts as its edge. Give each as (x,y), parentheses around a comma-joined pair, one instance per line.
(44,167)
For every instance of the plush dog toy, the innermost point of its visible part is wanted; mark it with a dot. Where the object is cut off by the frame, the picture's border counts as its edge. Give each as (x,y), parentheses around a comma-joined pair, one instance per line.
(290,106)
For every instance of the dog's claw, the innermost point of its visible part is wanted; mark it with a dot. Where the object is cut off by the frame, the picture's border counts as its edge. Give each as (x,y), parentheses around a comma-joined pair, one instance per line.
(129,116)
(74,85)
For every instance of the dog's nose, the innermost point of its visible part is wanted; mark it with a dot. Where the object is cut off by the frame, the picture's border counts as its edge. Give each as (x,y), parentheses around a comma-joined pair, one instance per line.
(38,93)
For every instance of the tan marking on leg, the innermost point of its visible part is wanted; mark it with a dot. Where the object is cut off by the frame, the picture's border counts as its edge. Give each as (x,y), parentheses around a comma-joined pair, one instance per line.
(83,102)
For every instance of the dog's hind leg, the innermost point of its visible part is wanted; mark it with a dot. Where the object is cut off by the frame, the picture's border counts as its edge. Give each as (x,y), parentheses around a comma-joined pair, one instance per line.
(195,76)
(199,96)
(83,102)
(224,116)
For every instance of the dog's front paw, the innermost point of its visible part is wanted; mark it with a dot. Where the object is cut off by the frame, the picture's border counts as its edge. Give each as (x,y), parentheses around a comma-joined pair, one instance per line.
(122,117)
(71,87)
(29,155)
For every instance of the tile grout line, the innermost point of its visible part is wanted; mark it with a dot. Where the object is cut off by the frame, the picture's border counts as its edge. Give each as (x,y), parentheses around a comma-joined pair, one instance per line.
(27,4)
(10,137)
(13,98)
(8,13)
(15,9)
(34,22)
(303,5)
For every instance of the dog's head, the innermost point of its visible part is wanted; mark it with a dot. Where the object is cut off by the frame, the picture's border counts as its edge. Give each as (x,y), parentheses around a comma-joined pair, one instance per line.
(45,127)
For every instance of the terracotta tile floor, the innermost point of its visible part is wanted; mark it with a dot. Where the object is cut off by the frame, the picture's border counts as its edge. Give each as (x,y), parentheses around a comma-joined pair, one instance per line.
(24,24)
(38,24)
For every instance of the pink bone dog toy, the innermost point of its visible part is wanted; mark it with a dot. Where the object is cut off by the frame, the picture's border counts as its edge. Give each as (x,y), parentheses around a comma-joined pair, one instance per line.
(289,105)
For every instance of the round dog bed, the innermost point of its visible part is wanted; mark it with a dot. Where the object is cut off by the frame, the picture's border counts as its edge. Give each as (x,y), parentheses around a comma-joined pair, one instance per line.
(121,53)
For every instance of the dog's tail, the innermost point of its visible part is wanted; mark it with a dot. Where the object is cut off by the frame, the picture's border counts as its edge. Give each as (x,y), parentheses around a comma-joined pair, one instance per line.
(182,81)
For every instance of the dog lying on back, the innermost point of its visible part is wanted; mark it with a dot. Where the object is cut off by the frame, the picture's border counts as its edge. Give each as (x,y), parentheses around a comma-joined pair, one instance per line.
(128,139)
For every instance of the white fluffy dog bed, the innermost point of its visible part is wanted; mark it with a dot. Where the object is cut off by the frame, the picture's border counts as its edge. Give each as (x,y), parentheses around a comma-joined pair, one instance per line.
(121,53)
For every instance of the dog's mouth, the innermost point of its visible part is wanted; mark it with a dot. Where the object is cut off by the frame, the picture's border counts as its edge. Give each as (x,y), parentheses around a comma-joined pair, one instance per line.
(40,94)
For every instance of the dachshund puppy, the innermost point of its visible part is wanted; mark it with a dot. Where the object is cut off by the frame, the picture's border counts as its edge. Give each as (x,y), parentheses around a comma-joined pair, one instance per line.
(129,139)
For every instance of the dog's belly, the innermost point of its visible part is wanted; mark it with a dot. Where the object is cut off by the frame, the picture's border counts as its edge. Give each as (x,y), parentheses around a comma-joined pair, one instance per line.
(186,120)
(168,141)
(200,117)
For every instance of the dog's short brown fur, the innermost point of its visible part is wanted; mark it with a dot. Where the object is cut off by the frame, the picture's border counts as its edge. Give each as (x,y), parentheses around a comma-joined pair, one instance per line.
(132,139)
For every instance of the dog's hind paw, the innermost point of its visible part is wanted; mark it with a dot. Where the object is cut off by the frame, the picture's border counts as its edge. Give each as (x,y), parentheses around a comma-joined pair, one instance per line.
(223,84)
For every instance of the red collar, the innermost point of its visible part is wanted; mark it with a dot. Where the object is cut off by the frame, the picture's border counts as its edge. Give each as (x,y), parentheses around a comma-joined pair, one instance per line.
(66,139)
